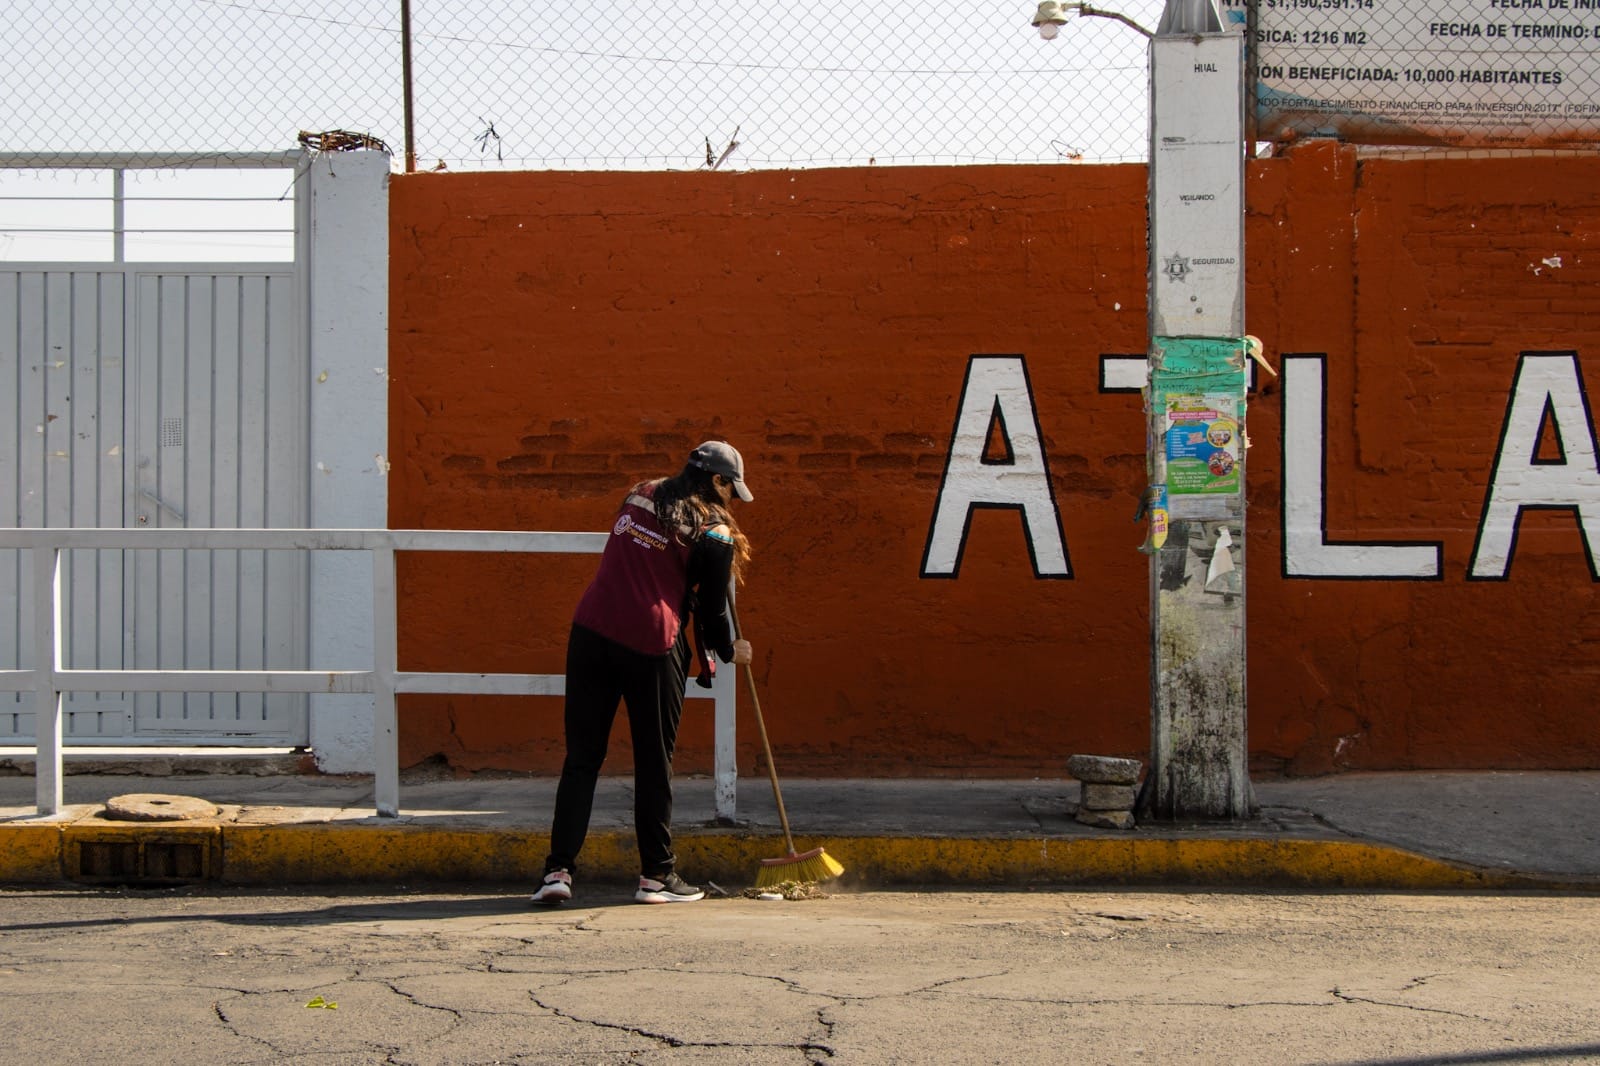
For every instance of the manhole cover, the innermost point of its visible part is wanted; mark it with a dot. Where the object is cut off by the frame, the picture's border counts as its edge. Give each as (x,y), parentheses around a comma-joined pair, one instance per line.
(145,807)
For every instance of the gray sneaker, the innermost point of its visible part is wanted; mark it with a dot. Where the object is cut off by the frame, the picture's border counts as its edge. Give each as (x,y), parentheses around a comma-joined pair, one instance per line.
(557,888)
(668,889)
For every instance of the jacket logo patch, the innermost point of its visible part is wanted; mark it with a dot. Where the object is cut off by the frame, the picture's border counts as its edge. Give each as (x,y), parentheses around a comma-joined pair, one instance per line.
(643,536)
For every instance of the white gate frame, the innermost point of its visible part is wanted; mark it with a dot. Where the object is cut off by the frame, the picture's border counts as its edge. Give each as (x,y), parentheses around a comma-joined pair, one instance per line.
(50,679)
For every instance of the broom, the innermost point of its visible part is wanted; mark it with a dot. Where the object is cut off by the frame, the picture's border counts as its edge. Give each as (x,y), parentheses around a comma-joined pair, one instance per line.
(813,865)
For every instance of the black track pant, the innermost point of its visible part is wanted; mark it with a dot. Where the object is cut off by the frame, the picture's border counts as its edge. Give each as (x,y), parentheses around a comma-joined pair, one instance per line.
(599,673)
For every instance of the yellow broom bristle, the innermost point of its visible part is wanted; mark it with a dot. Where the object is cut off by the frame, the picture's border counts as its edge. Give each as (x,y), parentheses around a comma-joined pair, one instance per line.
(813,865)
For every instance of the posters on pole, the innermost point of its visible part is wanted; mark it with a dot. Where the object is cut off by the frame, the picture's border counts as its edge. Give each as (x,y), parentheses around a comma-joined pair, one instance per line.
(1440,72)
(1195,408)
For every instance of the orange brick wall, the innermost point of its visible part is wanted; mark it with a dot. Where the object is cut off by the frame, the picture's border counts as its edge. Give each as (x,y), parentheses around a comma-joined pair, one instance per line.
(555,337)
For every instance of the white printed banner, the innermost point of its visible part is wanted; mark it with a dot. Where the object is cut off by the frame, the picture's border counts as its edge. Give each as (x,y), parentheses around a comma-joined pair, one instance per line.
(1197,187)
(1460,72)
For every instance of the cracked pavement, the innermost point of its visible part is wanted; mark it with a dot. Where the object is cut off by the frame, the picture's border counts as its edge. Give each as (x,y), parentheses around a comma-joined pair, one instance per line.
(473,975)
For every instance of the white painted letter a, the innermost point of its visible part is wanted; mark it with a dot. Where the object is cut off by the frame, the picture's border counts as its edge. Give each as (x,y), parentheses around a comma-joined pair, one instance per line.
(1547,383)
(996,388)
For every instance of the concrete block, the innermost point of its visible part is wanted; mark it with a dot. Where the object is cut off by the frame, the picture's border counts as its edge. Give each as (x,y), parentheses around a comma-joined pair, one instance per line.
(1104,770)
(1097,797)
(1106,819)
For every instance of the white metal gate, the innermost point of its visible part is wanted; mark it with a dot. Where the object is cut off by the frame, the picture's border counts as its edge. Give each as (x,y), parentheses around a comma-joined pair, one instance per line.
(153,396)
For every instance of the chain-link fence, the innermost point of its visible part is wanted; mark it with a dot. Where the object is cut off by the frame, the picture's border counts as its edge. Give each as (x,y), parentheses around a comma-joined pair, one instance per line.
(683,84)
(554,84)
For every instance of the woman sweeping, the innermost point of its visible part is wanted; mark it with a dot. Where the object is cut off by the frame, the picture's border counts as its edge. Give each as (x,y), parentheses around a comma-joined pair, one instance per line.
(672,551)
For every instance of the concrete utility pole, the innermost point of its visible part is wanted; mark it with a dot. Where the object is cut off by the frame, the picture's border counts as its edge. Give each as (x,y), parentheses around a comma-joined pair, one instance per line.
(1194,410)
(1195,406)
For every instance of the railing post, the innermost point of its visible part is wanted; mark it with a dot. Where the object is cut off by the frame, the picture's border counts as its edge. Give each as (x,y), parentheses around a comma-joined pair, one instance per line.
(385,661)
(725,766)
(46,661)
(724,756)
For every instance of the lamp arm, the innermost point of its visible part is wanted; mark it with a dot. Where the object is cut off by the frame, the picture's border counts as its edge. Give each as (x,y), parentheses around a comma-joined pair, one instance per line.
(1094,12)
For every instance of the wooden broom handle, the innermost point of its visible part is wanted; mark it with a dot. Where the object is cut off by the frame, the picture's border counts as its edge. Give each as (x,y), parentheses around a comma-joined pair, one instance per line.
(761,727)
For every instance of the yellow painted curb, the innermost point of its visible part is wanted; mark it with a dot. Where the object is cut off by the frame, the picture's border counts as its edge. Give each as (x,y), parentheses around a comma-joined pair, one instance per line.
(30,853)
(1146,861)
(95,850)
(330,852)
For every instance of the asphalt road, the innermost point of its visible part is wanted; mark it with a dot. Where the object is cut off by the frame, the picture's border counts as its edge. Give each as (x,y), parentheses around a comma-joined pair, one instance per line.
(198,976)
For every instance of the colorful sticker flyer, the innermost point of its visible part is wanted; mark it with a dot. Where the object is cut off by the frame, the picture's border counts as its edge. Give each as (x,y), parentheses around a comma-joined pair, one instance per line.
(1202,444)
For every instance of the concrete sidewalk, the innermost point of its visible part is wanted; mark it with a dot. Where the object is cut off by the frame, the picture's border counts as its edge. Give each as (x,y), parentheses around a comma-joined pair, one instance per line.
(1460,830)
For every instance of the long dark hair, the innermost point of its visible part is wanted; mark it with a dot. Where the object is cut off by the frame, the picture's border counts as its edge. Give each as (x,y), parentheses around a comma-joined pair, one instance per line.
(689,500)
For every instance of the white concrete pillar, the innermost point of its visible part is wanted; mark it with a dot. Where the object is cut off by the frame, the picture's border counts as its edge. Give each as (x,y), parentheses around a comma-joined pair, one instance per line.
(347,262)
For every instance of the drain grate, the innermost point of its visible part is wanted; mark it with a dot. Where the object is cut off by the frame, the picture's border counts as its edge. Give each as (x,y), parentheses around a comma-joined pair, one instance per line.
(107,860)
(142,861)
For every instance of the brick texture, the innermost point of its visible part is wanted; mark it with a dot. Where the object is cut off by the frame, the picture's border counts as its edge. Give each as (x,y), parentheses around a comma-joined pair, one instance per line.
(556,337)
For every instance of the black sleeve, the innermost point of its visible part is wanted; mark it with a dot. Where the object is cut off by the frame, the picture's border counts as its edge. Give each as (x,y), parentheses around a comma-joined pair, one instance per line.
(710,566)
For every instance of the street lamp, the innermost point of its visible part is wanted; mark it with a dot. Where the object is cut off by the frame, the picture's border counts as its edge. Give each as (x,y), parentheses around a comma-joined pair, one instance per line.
(1052,15)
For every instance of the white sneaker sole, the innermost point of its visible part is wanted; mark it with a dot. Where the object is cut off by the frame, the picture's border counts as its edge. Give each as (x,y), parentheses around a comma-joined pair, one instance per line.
(550,896)
(642,896)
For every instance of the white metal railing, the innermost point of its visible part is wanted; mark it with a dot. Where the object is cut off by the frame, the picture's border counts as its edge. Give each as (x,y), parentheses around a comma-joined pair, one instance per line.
(51,680)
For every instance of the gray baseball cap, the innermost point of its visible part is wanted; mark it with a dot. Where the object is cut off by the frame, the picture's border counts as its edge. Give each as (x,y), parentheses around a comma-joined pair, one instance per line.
(720,457)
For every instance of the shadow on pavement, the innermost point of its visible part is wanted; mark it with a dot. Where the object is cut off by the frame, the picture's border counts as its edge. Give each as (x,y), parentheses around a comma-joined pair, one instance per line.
(1519,1054)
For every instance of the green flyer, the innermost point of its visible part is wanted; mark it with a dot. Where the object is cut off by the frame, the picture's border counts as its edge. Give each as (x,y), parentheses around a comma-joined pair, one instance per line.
(1202,434)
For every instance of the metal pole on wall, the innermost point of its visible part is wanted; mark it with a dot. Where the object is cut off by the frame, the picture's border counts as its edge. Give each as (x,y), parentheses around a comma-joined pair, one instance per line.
(405,78)
(1195,410)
